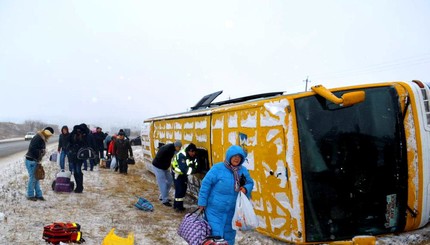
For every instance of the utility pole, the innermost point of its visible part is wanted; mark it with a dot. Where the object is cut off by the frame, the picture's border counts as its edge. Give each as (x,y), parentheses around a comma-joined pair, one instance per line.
(306,81)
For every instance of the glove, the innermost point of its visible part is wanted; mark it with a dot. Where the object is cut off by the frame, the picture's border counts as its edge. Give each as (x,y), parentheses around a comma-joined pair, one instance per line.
(242,180)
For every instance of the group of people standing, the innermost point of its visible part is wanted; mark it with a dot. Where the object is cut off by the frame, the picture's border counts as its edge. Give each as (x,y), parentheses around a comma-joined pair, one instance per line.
(219,188)
(81,147)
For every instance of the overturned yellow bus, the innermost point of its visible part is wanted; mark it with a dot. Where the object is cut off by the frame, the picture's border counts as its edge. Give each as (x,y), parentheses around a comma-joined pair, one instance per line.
(328,165)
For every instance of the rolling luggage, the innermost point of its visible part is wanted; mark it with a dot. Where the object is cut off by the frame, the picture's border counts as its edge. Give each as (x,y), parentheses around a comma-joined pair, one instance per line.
(62,182)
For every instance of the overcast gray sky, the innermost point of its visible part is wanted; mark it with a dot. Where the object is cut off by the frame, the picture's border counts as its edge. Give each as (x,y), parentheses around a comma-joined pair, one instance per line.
(115,63)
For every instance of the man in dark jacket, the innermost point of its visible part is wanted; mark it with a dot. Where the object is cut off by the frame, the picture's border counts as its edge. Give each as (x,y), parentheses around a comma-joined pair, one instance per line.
(161,165)
(63,147)
(99,137)
(122,150)
(80,138)
(36,150)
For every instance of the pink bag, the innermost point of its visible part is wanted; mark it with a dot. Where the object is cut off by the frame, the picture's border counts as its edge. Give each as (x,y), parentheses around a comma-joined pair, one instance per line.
(194,228)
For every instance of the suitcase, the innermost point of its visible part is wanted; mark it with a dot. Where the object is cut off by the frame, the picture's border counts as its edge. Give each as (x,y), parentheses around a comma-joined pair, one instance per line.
(62,182)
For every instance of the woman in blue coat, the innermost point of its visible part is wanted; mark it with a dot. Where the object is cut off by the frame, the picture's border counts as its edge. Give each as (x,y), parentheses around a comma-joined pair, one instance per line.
(219,191)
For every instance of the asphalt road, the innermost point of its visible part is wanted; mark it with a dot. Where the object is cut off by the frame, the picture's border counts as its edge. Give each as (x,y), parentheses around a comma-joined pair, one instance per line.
(8,148)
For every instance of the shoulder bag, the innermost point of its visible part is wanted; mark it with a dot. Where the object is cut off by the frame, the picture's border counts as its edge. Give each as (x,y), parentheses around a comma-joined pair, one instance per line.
(39,172)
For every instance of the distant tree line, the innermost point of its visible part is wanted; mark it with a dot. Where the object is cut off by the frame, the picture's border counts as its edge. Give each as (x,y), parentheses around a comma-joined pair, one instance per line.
(15,130)
(35,126)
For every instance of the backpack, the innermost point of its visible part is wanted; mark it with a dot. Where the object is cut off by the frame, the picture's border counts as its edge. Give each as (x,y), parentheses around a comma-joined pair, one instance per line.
(62,232)
(85,153)
(144,205)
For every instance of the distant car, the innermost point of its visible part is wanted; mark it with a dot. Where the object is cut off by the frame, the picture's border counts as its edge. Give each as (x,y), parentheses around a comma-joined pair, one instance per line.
(136,141)
(29,135)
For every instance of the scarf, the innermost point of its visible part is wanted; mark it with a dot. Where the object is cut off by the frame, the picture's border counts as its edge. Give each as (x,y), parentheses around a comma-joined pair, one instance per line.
(235,171)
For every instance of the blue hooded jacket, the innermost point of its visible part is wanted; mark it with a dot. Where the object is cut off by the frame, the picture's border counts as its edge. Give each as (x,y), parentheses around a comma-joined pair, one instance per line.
(218,196)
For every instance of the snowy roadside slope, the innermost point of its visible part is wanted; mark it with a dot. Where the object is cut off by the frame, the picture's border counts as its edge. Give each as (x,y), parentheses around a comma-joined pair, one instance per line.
(107,202)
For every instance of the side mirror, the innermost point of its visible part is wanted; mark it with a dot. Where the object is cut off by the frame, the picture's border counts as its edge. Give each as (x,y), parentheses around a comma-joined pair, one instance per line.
(347,99)
(353,98)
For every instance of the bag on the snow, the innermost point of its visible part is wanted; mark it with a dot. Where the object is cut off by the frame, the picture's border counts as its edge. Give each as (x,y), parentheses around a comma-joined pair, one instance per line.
(130,161)
(62,232)
(62,182)
(214,240)
(113,163)
(53,157)
(244,217)
(39,172)
(194,228)
(86,153)
(112,239)
(144,204)
(103,162)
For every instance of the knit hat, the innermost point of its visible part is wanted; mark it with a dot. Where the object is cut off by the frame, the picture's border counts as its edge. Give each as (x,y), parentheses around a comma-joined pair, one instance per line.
(178,143)
(48,131)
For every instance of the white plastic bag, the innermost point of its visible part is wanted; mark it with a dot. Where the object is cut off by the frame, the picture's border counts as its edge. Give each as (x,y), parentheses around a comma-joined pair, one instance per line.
(58,159)
(113,163)
(244,218)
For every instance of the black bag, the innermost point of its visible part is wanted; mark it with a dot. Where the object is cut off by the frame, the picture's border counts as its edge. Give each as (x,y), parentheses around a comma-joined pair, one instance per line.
(130,160)
(39,172)
(86,153)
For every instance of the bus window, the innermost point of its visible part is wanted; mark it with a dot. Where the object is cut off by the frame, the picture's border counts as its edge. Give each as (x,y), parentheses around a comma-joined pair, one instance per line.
(203,162)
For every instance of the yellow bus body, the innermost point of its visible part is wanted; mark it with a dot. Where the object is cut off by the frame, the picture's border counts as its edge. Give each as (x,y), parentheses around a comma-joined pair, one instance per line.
(267,129)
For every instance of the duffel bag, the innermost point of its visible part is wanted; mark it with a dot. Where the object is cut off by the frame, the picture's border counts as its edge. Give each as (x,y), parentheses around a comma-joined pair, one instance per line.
(194,228)
(62,232)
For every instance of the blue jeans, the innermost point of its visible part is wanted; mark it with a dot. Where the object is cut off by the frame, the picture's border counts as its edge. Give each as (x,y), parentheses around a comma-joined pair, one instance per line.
(63,155)
(91,164)
(33,186)
(164,181)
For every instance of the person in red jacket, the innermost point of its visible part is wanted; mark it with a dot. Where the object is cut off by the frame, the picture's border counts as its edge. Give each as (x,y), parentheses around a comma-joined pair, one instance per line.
(111,146)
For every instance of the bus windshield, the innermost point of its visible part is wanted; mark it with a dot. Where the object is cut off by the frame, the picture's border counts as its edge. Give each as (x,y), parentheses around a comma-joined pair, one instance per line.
(354,166)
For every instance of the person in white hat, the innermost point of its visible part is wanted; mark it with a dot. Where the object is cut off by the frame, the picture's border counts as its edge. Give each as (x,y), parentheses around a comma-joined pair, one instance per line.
(36,150)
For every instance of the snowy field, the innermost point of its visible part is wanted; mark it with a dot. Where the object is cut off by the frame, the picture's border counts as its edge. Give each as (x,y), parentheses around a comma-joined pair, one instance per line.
(107,202)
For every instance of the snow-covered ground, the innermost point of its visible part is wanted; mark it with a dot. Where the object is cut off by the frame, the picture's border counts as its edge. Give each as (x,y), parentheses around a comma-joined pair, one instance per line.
(107,202)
